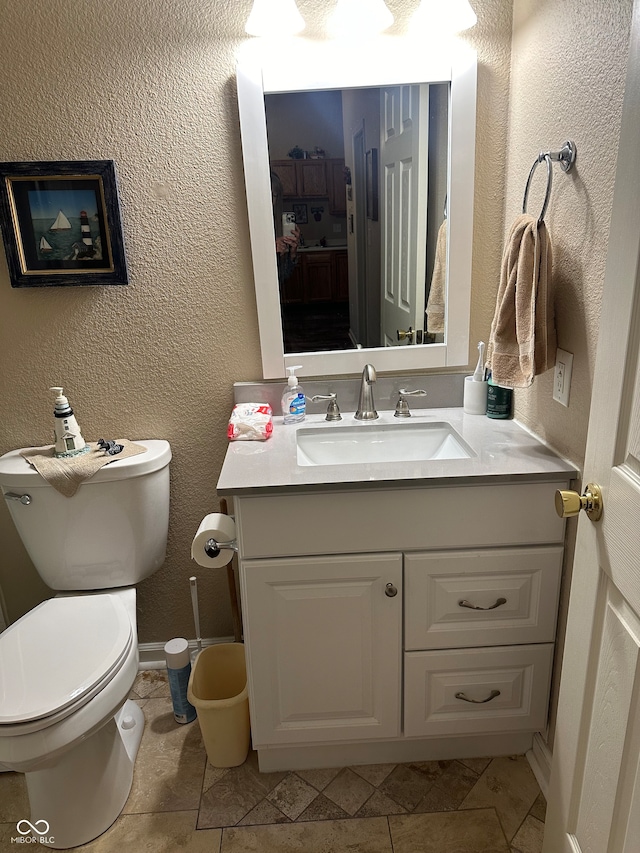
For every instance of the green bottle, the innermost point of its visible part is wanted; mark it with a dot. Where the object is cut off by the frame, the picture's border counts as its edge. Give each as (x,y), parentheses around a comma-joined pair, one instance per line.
(499,400)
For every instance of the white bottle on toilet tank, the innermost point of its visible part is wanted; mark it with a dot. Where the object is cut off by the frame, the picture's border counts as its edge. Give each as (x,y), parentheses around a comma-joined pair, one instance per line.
(68,440)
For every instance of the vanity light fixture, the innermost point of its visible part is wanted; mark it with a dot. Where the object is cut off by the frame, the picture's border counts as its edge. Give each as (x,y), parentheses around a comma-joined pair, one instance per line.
(274,18)
(444,16)
(356,18)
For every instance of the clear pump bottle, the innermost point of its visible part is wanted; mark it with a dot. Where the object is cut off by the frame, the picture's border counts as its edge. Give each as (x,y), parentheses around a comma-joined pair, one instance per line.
(294,402)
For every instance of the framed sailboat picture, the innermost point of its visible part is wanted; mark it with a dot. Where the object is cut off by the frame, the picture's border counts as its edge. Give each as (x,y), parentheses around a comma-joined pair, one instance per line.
(61,223)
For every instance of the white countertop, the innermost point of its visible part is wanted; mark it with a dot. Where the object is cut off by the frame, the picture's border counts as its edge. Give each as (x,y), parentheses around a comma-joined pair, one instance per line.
(504,452)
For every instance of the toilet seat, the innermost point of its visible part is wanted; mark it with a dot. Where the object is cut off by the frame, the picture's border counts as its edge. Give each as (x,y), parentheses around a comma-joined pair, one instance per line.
(58,657)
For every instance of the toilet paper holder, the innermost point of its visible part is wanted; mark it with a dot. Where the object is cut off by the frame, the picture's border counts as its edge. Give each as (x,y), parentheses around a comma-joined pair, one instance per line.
(212,547)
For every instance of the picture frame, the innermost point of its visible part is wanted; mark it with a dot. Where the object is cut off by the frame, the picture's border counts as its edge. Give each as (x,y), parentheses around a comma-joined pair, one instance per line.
(301,214)
(372,184)
(61,223)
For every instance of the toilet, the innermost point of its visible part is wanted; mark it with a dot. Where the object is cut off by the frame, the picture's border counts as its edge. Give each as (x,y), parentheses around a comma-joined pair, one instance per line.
(68,665)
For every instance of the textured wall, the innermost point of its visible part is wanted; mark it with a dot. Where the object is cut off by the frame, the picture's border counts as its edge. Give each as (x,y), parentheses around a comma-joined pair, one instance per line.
(567,82)
(151,85)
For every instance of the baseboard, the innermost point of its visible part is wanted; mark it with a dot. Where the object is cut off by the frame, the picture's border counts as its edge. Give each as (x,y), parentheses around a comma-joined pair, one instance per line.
(539,757)
(151,655)
(396,751)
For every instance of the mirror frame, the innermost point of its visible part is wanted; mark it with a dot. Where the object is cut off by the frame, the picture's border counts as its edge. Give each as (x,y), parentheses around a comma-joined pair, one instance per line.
(304,65)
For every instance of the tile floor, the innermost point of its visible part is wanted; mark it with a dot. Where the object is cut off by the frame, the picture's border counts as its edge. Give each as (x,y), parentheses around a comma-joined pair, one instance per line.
(180,802)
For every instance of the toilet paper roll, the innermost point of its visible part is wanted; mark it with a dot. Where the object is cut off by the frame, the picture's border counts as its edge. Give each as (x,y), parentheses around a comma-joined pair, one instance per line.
(475,397)
(216,526)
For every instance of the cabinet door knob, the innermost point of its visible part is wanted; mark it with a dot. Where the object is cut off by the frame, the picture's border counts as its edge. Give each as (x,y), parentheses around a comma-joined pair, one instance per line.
(570,503)
(491,696)
(390,590)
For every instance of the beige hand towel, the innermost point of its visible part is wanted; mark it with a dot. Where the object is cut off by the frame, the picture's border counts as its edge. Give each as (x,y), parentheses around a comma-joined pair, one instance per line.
(522,343)
(435,302)
(67,473)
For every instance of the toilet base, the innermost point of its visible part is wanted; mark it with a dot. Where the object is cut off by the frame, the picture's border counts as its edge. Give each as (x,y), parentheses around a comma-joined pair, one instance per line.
(85,791)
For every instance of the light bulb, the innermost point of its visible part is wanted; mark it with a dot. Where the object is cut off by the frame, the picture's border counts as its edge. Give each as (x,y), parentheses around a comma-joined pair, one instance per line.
(359,17)
(274,18)
(444,16)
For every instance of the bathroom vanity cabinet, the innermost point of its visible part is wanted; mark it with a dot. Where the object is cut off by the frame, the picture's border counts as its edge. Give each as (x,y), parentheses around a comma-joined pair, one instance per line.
(390,622)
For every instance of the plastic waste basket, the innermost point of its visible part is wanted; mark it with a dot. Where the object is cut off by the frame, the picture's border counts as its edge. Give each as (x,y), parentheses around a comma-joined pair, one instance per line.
(218,691)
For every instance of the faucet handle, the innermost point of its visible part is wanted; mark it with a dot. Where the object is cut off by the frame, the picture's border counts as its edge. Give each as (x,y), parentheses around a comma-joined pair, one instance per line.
(402,407)
(333,410)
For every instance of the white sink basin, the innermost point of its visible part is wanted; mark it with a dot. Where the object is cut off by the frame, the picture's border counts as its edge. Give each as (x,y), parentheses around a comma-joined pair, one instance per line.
(370,443)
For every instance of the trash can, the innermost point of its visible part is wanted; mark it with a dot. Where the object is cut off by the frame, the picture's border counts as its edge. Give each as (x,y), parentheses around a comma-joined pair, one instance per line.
(218,691)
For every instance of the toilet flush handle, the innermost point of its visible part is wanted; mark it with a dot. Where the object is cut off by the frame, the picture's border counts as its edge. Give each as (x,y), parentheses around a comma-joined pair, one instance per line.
(24,499)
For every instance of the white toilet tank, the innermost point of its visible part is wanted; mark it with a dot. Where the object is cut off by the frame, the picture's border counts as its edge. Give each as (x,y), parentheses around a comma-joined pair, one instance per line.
(111,533)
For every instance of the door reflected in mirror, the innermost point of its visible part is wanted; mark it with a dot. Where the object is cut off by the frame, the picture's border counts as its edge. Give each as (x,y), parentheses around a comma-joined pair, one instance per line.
(359,186)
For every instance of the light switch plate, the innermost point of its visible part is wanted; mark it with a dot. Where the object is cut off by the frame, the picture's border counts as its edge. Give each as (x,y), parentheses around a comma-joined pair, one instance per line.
(562,376)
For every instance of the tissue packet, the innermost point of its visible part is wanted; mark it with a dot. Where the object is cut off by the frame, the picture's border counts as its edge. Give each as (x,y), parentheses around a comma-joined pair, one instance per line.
(250,422)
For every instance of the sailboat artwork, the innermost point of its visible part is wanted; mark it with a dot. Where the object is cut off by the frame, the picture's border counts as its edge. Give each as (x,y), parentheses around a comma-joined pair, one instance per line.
(61,223)
(44,246)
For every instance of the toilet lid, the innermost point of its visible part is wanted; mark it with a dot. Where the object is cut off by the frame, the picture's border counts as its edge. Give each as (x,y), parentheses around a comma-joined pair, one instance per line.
(58,652)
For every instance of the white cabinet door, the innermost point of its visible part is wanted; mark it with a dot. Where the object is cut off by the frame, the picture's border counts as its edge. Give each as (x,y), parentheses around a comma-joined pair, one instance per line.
(323,637)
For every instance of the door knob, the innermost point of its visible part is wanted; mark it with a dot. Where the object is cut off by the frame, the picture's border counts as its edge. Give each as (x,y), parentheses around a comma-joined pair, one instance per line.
(390,590)
(408,335)
(570,503)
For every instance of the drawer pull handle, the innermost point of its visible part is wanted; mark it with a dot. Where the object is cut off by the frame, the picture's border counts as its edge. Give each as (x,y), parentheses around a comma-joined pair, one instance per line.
(491,696)
(465,603)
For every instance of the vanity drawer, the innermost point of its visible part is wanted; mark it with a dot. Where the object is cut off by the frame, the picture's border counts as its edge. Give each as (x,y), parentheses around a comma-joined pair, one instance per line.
(521,674)
(516,589)
(404,519)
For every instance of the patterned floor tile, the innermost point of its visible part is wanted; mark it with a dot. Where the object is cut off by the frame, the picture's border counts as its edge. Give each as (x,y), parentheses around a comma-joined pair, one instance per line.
(264,813)
(528,839)
(509,786)
(233,797)
(476,831)
(539,808)
(449,790)
(478,765)
(319,778)
(349,791)
(151,683)
(14,802)
(379,805)
(374,773)
(155,833)
(292,796)
(169,767)
(406,786)
(370,835)
(322,808)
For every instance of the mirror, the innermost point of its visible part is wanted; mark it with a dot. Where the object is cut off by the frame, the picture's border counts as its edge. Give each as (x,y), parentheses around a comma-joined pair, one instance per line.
(378,251)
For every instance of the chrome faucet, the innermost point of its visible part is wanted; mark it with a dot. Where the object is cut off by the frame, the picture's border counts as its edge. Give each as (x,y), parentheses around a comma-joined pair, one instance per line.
(366,406)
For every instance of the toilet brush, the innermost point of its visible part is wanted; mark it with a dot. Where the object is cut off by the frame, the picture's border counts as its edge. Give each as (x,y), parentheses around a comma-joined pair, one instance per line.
(196,611)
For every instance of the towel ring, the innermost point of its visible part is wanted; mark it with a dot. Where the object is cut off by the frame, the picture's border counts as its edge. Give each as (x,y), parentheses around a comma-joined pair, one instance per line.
(566,157)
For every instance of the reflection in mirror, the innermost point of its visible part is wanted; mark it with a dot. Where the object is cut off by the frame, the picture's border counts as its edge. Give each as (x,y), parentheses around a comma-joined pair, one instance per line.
(373,240)
(363,175)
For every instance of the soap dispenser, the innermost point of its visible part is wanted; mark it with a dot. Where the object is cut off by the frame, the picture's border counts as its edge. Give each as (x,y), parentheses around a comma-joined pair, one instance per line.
(67,436)
(294,403)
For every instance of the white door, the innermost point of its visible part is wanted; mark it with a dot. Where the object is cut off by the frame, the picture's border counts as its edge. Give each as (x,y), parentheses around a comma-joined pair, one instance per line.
(404,115)
(594,799)
(323,637)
